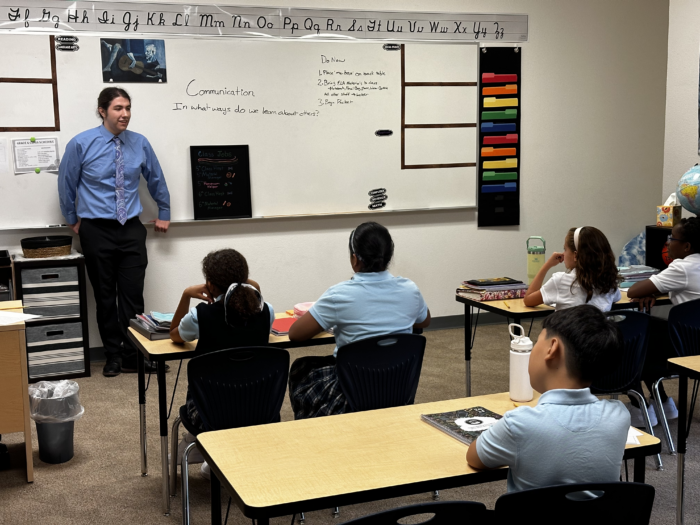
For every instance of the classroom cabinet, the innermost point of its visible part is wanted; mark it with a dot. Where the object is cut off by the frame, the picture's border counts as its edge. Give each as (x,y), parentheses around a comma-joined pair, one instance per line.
(57,341)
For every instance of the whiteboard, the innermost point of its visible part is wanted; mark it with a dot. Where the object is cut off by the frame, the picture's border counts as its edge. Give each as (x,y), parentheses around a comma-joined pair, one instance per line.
(309,112)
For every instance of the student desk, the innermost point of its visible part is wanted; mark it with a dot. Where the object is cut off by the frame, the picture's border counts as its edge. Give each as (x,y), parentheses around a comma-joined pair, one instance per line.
(351,458)
(516,309)
(165,350)
(686,368)
(14,383)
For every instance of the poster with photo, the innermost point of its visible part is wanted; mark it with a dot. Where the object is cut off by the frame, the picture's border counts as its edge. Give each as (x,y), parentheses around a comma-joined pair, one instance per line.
(133,60)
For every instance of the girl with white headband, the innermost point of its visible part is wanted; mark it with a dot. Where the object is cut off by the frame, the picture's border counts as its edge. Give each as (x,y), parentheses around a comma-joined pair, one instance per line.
(591,275)
(233,314)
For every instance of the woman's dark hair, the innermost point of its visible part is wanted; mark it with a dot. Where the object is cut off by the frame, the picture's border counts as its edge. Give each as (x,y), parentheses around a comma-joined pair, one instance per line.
(372,244)
(107,95)
(691,233)
(596,270)
(224,267)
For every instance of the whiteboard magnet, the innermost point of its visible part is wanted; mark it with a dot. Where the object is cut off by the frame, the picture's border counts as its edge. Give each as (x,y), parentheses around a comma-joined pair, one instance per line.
(383,133)
(38,170)
(32,139)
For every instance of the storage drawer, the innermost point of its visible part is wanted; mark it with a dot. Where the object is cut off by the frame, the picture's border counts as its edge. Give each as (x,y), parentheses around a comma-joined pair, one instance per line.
(47,312)
(51,287)
(55,350)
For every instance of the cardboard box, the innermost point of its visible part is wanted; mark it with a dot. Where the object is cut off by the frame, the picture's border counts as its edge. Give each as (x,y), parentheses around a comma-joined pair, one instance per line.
(668,216)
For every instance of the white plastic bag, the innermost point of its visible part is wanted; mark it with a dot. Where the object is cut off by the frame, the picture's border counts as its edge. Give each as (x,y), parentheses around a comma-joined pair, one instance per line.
(55,401)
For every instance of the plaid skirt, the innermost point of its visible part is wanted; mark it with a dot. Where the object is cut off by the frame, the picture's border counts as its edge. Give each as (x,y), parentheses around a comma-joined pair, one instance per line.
(314,389)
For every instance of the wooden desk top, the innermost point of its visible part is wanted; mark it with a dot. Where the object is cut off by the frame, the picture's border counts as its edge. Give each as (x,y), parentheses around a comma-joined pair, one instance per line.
(12,306)
(269,468)
(165,349)
(687,365)
(511,307)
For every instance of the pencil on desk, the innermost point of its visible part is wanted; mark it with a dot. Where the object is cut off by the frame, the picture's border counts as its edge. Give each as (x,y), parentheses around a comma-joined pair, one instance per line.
(506,304)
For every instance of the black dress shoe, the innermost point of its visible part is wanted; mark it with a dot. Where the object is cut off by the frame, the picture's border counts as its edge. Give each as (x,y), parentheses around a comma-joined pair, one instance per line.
(112,368)
(129,366)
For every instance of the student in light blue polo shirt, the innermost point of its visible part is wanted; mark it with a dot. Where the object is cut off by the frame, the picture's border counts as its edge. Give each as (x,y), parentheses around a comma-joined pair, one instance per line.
(570,436)
(372,303)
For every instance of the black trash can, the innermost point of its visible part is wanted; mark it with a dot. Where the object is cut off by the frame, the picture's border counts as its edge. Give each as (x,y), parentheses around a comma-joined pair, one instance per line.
(54,407)
(55,441)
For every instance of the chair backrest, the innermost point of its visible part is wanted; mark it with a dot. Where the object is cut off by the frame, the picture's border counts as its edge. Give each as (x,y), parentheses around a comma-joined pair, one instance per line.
(239,387)
(444,513)
(634,327)
(579,504)
(684,328)
(381,372)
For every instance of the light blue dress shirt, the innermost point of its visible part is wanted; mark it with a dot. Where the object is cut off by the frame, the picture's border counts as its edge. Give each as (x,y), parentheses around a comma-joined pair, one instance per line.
(189,325)
(87,173)
(368,305)
(570,436)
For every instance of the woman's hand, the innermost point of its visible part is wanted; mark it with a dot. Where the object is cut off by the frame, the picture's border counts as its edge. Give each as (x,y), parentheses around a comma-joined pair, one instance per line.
(199,291)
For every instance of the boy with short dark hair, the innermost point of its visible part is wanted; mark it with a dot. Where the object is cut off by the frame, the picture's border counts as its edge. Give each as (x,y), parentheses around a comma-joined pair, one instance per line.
(570,436)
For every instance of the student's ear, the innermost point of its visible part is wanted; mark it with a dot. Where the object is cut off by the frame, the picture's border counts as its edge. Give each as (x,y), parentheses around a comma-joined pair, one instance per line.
(554,352)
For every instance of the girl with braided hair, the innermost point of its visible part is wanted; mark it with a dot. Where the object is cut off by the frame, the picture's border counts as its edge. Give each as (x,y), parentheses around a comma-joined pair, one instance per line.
(681,281)
(372,303)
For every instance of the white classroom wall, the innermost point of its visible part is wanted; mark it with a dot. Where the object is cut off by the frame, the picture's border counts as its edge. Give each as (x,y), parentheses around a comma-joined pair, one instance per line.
(681,140)
(593,100)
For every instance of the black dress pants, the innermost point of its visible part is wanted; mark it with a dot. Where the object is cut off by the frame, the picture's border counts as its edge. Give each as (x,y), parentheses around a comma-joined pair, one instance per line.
(116,260)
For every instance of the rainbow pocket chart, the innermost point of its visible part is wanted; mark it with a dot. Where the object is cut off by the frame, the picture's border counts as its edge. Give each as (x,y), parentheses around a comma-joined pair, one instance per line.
(500,113)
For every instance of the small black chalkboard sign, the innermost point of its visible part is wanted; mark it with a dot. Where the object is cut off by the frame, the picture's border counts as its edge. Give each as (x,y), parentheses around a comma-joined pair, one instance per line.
(220,182)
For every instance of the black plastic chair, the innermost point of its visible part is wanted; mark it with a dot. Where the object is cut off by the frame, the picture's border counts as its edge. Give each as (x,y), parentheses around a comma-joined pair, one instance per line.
(233,388)
(381,372)
(578,504)
(627,374)
(684,329)
(444,513)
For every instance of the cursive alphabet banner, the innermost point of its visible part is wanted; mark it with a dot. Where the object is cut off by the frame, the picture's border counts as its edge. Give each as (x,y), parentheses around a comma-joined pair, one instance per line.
(58,16)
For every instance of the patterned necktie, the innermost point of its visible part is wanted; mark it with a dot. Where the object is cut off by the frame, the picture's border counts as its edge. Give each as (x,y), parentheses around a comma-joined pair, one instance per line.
(119,184)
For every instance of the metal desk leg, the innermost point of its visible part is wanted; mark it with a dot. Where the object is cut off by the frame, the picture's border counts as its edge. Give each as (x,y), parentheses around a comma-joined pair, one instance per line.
(639,470)
(215,500)
(468,348)
(163,413)
(140,370)
(681,439)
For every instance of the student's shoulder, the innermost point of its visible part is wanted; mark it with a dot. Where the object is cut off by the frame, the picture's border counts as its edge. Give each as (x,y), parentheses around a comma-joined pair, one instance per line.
(405,282)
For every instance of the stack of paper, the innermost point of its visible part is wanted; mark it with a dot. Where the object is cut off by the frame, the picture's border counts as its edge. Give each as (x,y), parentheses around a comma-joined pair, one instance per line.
(635,273)
(162,319)
(492,289)
(281,326)
(151,324)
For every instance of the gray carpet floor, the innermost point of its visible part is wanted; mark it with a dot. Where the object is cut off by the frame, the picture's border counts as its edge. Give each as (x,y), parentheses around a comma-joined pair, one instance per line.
(103,484)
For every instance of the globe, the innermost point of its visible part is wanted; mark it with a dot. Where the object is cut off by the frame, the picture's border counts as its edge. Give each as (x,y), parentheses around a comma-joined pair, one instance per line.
(688,190)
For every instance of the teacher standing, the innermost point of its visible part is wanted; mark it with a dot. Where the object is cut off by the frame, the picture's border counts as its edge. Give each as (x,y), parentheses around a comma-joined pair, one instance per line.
(98,184)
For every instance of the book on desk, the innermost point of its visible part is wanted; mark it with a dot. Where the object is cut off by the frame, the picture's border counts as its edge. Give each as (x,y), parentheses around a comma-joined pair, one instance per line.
(147,331)
(464,425)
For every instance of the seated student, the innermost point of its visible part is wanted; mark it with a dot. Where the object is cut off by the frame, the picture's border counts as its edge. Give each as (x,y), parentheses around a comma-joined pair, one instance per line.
(591,275)
(232,315)
(372,303)
(570,436)
(681,281)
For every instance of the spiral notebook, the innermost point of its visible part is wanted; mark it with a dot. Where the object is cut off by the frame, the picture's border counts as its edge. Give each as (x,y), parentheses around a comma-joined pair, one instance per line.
(465,425)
